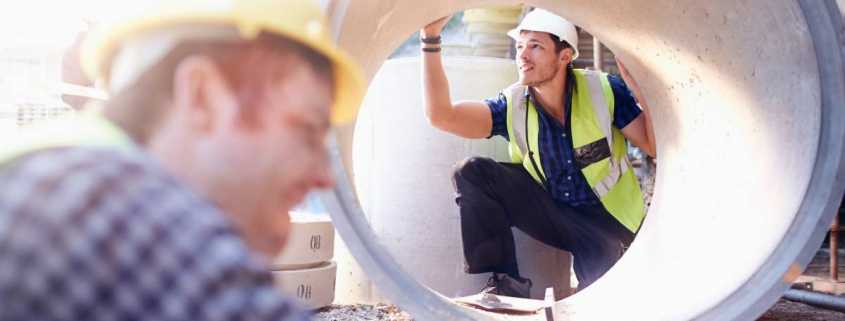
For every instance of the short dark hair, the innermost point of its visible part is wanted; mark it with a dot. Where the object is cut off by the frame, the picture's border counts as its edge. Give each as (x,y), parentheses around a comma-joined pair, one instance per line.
(141,107)
(559,44)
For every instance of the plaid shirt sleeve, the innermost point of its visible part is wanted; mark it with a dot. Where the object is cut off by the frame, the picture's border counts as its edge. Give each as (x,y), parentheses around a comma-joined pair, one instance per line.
(97,234)
(625,108)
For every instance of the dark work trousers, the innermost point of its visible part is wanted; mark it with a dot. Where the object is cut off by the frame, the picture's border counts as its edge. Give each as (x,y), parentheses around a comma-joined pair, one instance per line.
(493,197)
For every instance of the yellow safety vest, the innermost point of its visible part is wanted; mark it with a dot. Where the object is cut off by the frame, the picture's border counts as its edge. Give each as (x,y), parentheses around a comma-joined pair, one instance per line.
(600,149)
(90,129)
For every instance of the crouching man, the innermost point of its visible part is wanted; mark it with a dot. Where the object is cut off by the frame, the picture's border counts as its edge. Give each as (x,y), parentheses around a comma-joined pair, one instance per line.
(569,183)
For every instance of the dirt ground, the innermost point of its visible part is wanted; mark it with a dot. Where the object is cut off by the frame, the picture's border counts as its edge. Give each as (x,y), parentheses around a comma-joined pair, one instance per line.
(793,311)
(782,311)
(361,312)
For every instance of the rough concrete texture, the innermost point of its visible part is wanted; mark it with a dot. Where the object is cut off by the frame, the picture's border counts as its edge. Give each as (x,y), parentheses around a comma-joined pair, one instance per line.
(749,146)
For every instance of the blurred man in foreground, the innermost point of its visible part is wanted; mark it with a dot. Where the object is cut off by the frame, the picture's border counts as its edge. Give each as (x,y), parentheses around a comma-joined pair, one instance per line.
(165,206)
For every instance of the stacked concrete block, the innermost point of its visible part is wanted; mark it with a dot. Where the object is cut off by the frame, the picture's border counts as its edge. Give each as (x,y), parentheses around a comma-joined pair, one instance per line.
(305,270)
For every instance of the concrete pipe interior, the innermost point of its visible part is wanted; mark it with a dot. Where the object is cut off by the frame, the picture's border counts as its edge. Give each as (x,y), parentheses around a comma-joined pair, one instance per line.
(747,102)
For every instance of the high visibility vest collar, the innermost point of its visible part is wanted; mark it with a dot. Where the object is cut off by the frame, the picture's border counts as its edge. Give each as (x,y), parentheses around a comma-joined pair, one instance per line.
(88,129)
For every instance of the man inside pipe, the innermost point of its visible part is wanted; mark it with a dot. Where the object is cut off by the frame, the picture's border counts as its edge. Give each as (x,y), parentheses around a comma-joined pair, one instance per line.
(569,183)
(168,204)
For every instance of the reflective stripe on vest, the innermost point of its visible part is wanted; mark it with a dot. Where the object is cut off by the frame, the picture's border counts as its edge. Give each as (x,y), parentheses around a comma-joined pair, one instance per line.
(519,133)
(603,152)
(602,112)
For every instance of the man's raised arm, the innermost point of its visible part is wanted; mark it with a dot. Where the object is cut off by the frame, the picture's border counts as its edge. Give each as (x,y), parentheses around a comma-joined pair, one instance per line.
(468,119)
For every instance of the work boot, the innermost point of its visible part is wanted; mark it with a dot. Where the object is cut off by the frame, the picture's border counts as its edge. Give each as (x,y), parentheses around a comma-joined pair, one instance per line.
(503,284)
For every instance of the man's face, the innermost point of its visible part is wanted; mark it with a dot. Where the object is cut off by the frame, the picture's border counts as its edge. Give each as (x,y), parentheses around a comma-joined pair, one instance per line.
(268,166)
(536,58)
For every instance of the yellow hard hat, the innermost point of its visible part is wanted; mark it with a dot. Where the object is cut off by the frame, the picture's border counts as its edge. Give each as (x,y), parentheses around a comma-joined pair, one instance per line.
(299,20)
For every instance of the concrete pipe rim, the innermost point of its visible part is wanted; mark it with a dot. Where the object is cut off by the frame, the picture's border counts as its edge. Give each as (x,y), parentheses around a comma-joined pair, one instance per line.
(806,233)
(750,300)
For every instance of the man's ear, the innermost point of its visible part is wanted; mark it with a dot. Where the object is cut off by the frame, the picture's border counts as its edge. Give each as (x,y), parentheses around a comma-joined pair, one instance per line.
(201,93)
(566,55)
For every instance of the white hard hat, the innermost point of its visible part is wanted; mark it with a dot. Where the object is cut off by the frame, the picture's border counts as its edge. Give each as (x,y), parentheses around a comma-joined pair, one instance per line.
(545,21)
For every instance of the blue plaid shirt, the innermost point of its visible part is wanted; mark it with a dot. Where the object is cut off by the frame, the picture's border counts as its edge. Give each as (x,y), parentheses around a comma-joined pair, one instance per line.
(567,184)
(101,234)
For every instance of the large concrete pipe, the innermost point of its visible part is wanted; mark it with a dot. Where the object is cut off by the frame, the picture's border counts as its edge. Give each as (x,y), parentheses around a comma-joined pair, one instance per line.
(747,99)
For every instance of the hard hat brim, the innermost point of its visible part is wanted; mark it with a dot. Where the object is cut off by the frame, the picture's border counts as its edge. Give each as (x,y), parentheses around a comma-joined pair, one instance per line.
(514,34)
(101,45)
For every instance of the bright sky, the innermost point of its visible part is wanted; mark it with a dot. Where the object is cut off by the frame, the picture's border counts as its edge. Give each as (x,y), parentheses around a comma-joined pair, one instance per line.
(56,22)
(47,22)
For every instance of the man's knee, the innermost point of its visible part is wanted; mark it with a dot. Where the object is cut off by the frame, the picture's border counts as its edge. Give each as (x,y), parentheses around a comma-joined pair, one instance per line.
(472,167)
(610,251)
(601,253)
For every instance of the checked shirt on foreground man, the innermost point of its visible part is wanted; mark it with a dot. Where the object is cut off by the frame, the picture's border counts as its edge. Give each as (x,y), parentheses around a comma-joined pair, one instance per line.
(569,183)
(165,205)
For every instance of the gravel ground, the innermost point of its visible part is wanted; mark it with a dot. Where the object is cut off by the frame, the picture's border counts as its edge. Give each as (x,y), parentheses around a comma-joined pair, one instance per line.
(782,311)
(793,311)
(361,312)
